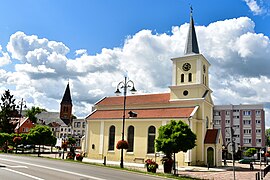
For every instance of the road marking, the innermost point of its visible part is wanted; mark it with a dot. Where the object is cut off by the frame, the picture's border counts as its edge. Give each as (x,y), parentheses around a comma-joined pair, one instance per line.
(21,173)
(54,169)
(5,165)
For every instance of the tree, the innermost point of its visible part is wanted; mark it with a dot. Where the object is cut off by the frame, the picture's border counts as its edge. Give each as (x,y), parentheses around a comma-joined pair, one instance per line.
(31,113)
(7,111)
(71,140)
(267,134)
(41,135)
(173,138)
(250,152)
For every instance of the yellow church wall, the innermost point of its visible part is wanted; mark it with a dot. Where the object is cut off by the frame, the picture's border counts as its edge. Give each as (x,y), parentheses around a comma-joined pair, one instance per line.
(200,144)
(94,139)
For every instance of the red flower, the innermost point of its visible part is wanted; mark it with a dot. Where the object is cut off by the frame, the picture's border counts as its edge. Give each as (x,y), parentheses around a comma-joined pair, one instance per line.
(122,144)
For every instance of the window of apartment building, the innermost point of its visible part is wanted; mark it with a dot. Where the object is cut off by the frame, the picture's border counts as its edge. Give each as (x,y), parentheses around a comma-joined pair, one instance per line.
(247,131)
(83,124)
(258,131)
(69,129)
(236,110)
(227,121)
(237,135)
(75,132)
(227,139)
(61,129)
(236,117)
(247,122)
(258,112)
(79,124)
(65,129)
(52,129)
(236,126)
(247,141)
(216,113)
(83,132)
(79,132)
(246,113)
(227,112)
(258,140)
(217,121)
(258,121)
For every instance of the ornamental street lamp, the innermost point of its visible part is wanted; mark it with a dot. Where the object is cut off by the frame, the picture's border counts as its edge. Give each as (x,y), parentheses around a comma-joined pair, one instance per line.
(124,85)
(21,104)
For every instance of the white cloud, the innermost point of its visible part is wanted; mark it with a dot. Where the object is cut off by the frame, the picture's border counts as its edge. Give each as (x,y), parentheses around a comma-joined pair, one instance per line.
(80,52)
(5,58)
(239,71)
(255,7)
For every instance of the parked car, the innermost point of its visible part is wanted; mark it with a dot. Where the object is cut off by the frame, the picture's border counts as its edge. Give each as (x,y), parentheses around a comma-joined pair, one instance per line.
(245,161)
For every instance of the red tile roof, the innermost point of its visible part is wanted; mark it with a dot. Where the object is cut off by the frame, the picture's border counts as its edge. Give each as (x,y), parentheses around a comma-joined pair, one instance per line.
(211,136)
(136,99)
(179,112)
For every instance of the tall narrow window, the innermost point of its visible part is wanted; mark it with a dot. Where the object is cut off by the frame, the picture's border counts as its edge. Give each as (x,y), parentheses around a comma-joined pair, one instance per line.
(111,138)
(182,78)
(203,79)
(130,139)
(190,77)
(151,139)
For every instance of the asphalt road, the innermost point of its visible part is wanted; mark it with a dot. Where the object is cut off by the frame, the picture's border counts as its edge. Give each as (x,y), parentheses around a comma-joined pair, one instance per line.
(13,167)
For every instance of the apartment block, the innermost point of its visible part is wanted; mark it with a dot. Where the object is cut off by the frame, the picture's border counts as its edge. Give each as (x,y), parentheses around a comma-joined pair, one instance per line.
(247,121)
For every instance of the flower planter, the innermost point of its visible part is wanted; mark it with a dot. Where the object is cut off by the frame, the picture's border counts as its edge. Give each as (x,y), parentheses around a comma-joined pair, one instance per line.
(151,165)
(152,170)
(167,166)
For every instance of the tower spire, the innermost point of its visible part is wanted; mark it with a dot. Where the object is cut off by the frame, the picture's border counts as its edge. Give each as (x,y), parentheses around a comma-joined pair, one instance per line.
(191,43)
(67,96)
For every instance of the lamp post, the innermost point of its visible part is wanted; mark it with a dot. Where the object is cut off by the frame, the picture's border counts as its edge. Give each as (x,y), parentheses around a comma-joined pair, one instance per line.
(261,152)
(21,104)
(124,85)
(233,148)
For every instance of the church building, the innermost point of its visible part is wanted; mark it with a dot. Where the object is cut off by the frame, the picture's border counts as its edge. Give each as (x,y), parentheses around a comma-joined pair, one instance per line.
(189,100)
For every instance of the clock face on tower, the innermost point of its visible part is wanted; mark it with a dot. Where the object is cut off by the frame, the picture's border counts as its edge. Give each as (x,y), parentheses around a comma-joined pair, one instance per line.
(186,66)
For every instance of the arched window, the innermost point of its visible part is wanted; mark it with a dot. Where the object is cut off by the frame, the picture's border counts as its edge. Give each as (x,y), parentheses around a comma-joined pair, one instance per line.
(189,77)
(130,139)
(111,138)
(151,139)
(182,77)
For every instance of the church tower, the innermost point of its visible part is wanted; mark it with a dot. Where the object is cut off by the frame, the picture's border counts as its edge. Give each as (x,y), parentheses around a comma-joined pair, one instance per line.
(190,79)
(66,107)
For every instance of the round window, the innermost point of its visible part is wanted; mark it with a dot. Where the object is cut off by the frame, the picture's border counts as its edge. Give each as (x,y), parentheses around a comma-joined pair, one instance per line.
(185,93)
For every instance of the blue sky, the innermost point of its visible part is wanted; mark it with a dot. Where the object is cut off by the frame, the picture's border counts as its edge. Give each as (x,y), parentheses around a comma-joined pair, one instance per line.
(90,43)
(95,24)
